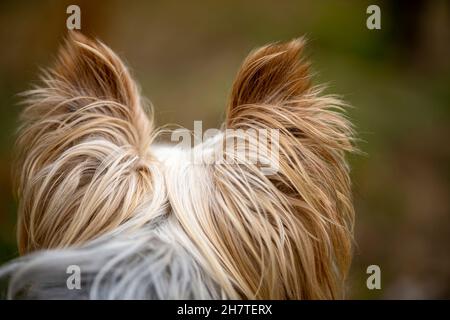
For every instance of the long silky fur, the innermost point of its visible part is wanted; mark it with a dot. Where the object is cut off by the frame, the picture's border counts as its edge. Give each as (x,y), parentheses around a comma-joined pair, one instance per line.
(145,221)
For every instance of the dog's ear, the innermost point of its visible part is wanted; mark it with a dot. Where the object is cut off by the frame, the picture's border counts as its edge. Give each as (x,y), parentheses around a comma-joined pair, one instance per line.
(89,67)
(287,234)
(269,75)
(84,137)
(86,68)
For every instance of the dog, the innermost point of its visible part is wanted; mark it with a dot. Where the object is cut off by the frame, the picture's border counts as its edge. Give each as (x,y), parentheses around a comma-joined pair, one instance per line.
(141,220)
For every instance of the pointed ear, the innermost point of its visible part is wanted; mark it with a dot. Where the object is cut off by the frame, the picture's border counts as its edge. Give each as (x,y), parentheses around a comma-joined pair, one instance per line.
(89,67)
(271,74)
(86,71)
(83,130)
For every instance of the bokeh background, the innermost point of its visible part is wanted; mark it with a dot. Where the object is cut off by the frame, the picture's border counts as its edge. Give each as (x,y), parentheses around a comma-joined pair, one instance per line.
(186,53)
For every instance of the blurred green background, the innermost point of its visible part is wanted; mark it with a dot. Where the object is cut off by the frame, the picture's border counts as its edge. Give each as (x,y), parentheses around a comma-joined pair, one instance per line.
(185,55)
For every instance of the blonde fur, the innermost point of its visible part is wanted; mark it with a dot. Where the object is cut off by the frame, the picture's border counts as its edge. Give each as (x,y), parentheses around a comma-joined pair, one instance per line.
(88,167)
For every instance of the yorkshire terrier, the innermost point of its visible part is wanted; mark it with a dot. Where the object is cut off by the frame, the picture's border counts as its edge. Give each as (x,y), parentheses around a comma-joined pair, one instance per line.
(142,220)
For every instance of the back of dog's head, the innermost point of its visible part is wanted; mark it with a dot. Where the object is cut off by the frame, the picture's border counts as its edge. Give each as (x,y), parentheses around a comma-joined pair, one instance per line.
(95,188)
